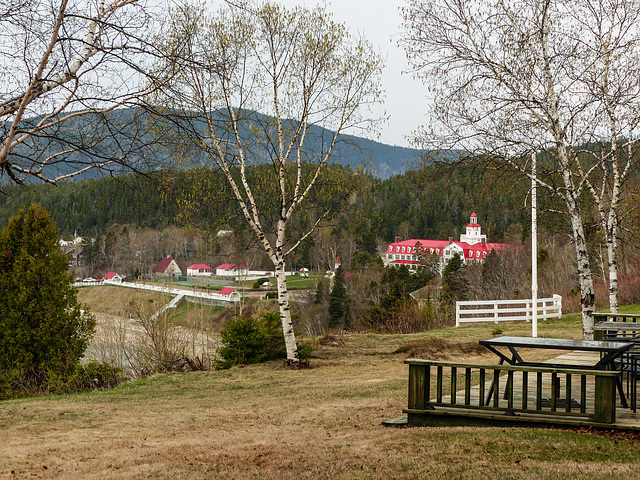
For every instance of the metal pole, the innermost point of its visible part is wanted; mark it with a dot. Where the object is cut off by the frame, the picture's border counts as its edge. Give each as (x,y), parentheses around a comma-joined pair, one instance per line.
(534,250)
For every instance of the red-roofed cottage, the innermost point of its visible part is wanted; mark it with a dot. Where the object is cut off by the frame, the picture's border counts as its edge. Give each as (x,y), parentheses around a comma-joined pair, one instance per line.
(231,270)
(199,270)
(168,266)
(230,292)
(472,247)
(113,276)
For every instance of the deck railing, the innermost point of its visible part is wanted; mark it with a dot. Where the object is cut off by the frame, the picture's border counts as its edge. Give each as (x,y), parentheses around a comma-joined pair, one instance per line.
(511,389)
(507,310)
(616,317)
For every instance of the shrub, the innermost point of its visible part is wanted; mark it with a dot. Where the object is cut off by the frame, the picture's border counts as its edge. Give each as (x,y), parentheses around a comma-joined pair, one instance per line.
(247,341)
(258,283)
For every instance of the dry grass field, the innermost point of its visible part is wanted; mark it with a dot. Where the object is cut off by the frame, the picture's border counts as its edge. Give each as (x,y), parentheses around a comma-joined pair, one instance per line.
(266,421)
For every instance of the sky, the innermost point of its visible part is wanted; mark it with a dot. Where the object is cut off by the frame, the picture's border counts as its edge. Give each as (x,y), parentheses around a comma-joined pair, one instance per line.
(380,22)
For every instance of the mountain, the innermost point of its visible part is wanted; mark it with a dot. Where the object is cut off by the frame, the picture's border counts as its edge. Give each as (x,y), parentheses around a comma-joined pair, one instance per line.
(130,133)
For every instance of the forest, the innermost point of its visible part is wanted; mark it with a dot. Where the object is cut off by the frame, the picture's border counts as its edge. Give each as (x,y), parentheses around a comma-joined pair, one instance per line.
(131,222)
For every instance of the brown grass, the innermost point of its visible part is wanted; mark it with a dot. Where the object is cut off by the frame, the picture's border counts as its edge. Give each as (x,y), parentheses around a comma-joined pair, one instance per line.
(265,421)
(115,300)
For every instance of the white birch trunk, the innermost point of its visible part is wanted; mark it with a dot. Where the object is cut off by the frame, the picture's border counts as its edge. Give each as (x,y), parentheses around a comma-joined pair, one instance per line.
(587,295)
(285,314)
(612,256)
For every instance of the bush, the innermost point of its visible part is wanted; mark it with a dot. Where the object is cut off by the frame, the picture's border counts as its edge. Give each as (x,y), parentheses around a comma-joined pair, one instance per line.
(247,341)
(258,283)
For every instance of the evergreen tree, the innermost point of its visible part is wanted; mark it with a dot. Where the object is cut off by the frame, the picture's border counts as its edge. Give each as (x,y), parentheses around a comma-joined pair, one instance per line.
(319,297)
(337,300)
(454,284)
(43,333)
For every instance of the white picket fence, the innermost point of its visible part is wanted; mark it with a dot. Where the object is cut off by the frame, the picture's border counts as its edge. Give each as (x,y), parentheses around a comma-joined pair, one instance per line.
(507,310)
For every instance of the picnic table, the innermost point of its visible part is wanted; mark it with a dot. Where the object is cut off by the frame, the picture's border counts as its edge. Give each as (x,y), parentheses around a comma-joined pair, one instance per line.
(616,330)
(609,352)
(616,317)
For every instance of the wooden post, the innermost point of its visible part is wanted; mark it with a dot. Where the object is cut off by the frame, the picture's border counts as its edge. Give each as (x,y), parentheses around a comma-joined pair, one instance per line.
(416,387)
(605,399)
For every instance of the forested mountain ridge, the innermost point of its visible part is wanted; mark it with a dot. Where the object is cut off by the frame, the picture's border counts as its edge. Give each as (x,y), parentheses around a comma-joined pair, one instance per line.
(130,134)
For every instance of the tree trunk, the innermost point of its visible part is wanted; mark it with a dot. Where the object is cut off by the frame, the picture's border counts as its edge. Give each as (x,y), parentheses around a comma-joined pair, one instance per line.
(587,295)
(612,248)
(285,314)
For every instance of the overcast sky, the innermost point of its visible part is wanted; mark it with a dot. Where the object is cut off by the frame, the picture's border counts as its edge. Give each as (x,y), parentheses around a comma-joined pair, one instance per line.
(380,22)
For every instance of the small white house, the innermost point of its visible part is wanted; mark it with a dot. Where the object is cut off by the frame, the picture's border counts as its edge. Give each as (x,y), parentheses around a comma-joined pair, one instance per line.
(231,293)
(231,270)
(113,276)
(199,270)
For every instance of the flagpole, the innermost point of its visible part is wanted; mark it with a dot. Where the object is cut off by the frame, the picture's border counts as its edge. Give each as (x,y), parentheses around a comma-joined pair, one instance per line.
(534,249)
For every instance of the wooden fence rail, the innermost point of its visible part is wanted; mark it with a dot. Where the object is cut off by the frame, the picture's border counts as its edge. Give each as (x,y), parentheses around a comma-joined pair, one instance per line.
(539,391)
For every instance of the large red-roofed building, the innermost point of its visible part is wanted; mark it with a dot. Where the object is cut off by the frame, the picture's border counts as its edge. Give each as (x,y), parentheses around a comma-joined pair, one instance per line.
(472,247)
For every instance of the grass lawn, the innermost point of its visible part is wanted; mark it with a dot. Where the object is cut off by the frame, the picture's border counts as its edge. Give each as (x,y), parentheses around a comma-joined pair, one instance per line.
(266,421)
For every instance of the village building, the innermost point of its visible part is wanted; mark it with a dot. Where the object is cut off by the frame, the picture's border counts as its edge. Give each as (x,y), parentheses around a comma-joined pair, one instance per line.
(231,270)
(113,276)
(472,247)
(199,270)
(231,293)
(168,266)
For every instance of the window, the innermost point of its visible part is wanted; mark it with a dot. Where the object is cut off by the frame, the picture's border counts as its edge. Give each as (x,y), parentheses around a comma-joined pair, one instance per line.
(397,249)
(478,254)
(402,249)
(437,251)
(431,250)
(484,254)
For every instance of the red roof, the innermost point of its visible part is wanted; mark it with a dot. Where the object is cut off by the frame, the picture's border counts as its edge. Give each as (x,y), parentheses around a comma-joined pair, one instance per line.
(438,247)
(229,266)
(110,275)
(164,264)
(199,266)
(227,291)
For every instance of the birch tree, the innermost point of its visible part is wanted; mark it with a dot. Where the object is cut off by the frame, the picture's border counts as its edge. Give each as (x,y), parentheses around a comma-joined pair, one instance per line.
(546,76)
(264,85)
(67,66)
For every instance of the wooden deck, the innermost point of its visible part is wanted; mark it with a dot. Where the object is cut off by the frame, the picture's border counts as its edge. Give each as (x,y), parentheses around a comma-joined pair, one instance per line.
(625,418)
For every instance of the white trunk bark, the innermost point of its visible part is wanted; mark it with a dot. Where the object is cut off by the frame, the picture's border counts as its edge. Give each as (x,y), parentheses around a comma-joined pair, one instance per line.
(285,314)
(587,295)
(612,249)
